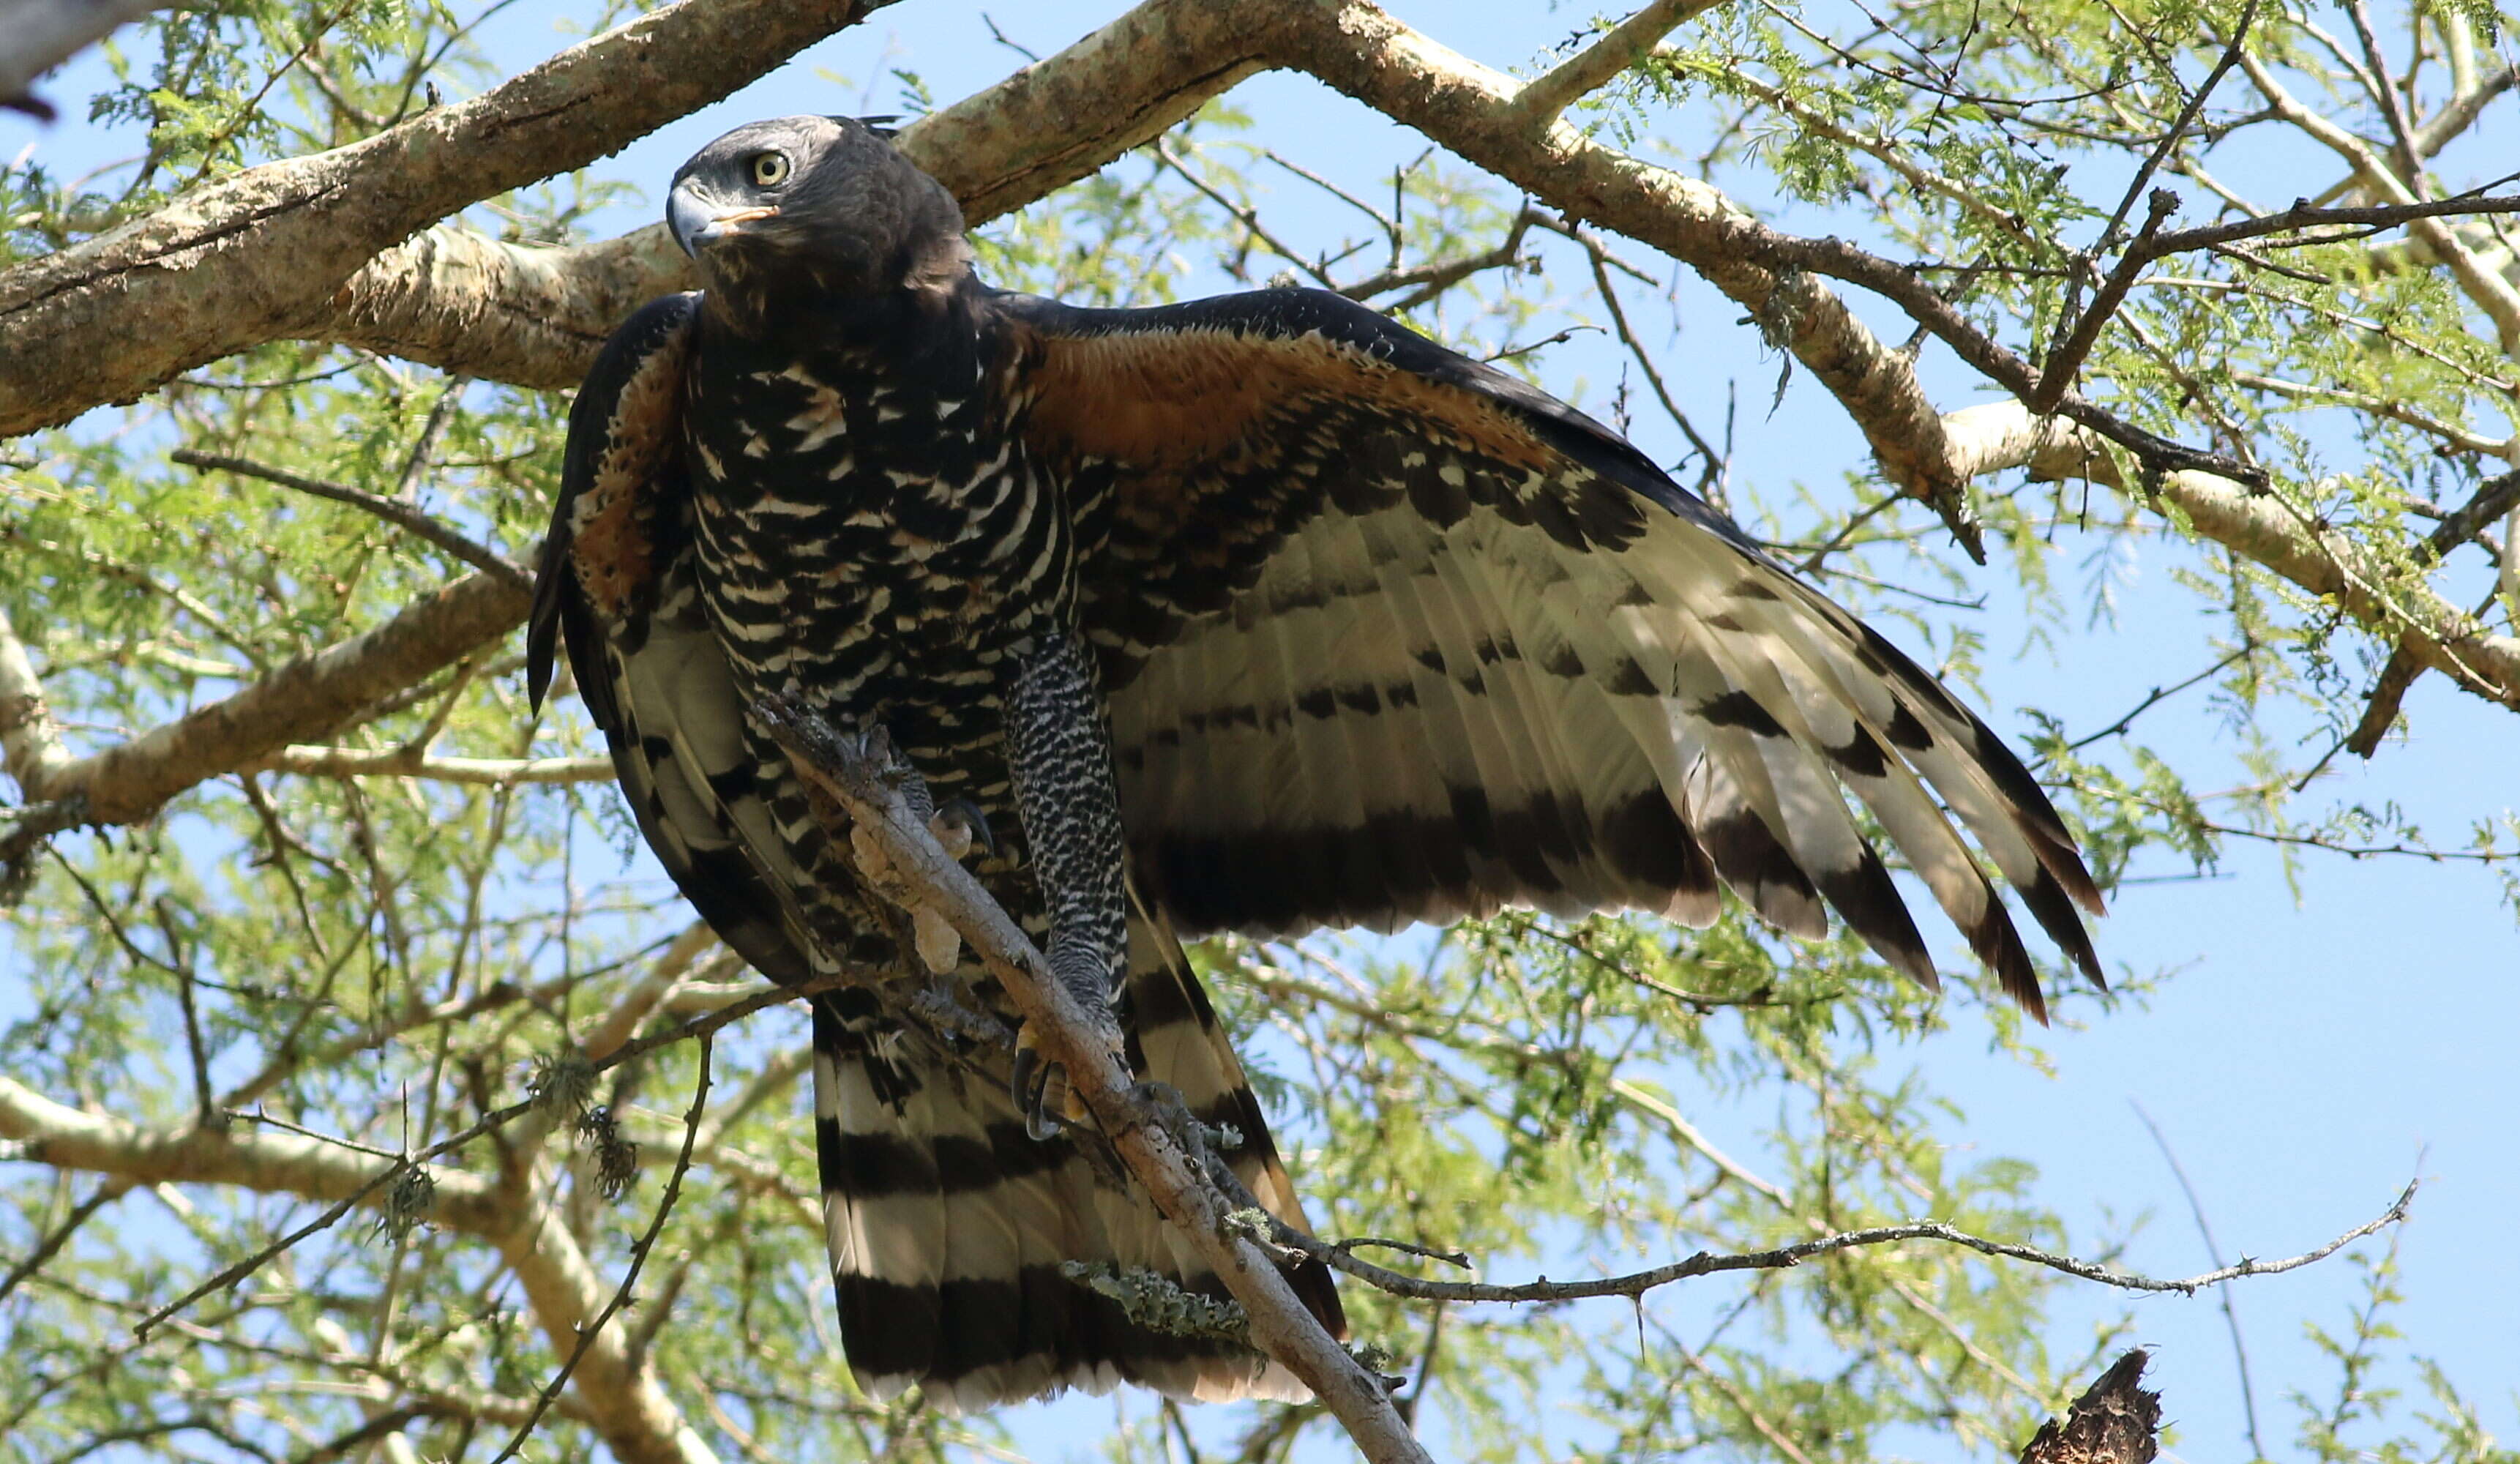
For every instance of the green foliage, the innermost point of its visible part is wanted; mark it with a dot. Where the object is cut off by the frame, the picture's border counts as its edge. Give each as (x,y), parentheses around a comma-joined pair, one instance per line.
(378,963)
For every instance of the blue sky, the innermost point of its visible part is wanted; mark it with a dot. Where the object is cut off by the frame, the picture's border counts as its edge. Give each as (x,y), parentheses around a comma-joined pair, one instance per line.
(2328,1034)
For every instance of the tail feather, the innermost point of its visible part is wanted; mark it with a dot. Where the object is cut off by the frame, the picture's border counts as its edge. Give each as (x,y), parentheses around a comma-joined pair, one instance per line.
(950,1227)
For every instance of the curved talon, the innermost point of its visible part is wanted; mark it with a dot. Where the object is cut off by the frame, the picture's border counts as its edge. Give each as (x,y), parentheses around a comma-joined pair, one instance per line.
(1031,1083)
(962,820)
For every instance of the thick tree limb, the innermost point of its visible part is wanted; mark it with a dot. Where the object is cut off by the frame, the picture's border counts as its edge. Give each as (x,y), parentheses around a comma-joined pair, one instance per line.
(535,316)
(30,744)
(259,255)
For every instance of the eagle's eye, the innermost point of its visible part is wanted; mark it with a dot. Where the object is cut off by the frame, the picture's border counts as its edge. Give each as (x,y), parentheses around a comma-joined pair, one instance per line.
(769,169)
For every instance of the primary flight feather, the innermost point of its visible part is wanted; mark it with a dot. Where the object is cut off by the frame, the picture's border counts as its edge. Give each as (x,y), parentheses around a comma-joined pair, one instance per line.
(1259,614)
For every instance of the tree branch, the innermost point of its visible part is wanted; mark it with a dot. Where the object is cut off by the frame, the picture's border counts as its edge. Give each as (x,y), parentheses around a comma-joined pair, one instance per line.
(400,514)
(1622,46)
(261,255)
(1174,1178)
(302,698)
(2254,526)
(30,744)
(412,762)
(1340,1256)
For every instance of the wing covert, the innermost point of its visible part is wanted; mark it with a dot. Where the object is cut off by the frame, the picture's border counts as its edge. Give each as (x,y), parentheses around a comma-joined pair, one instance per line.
(1390,636)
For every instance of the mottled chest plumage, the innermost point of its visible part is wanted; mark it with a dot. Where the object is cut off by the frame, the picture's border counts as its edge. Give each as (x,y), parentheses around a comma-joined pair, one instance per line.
(867,524)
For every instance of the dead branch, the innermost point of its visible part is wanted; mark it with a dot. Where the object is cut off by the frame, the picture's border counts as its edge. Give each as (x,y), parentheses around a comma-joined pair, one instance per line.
(2115,1421)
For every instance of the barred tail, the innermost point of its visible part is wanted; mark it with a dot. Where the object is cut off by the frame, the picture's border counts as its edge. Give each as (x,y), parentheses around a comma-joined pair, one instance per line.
(949,1227)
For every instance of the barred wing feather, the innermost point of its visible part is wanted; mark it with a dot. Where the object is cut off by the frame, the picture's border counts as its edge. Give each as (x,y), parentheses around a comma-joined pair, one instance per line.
(1390,636)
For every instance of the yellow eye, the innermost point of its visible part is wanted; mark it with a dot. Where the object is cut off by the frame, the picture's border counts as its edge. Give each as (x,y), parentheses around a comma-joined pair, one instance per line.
(769,169)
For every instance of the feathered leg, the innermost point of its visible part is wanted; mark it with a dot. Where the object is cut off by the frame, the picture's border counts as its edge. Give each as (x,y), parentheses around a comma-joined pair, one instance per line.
(1059,752)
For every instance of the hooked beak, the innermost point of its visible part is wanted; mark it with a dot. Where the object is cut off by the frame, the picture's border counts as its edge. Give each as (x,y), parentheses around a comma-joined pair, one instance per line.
(697,221)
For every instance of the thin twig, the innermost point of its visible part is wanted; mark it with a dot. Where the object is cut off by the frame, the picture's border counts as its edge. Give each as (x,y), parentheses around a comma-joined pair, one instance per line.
(2067,358)
(1703,1263)
(699,1027)
(2152,699)
(639,1252)
(113,1188)
(401,515)
(2213,1253)
(2151,165)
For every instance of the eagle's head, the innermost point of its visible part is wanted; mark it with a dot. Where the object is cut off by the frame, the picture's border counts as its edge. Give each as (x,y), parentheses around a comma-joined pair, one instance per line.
(819,205)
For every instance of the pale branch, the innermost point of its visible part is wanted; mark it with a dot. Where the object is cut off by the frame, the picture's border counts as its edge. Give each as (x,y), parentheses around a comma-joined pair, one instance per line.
(38,35)
(401,515)
(261,255)
(2452,437)
(664,974)
(1341,1257)
(303,698)
(31,743)
(412,762)
(2461,112)
(2488,290)
(629,1408)
(450,292)
(1632,40)
(1174,1176)
(1468,108)
(2256,526)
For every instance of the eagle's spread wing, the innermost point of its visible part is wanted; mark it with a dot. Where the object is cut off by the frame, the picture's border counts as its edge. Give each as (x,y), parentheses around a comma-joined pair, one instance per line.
(948,1225)
(1388,635)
